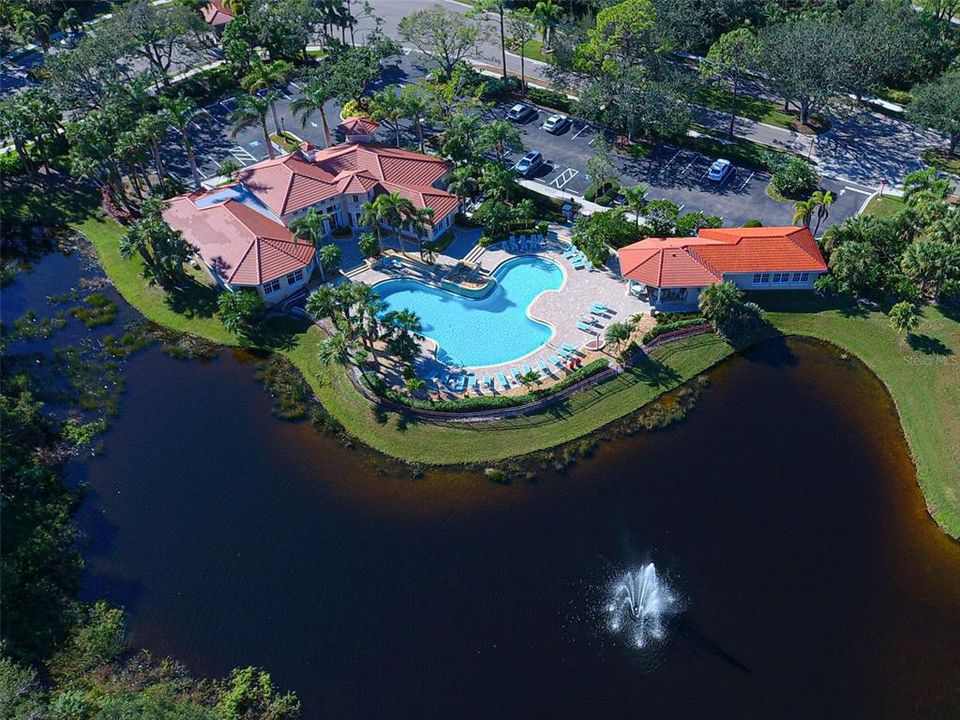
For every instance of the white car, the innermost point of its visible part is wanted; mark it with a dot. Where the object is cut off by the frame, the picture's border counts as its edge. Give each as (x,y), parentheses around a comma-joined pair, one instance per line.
(556,124)
(521,112)
(529,163)
(720,170)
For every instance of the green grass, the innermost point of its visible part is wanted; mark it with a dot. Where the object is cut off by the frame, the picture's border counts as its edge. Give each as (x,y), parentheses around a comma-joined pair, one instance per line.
(921,376)
(884,206)
(740,151)
(533,50)
(941,160)
(752,108)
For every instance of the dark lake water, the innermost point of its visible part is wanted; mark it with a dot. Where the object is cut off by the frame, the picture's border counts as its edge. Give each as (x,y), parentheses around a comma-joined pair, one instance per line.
(784,512)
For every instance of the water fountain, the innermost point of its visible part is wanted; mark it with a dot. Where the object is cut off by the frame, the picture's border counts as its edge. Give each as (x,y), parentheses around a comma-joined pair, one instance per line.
(639,605)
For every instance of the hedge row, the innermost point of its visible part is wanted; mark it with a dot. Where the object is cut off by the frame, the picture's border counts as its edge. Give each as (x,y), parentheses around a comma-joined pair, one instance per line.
(483,402)
(550,99)
(670,327)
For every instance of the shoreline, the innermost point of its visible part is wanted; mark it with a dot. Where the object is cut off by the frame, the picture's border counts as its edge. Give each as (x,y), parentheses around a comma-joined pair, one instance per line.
(853,330)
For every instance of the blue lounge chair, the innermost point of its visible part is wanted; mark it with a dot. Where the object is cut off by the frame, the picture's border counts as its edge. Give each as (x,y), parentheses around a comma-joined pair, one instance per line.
(585,327)
(472,382)
(487,381)
(578,263)
(502,379)
(515,372)
(571,252)
(556,361)
(568,347)
(461,383)
(525,369)
(598,307)
(563,352)
(543,366)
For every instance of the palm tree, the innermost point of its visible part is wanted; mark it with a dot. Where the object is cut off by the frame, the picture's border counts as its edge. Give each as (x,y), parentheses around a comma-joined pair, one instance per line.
(267,75)
(522,30)
(803,212)
(311,226)
(822,200)
(387,106)
(34,28)
(502,137)
(497,180)
(372,215)
(153,128)
(530,378)
(335,349)
(636,198)
(252,110)
(396,211)
(415,106)
(323,302)
(904,317)
(619,333)
(548,15)
(312,100)
(180,111)
(463,182)
(459,137)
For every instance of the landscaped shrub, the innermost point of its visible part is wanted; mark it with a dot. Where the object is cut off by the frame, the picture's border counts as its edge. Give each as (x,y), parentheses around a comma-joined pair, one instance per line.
(10,164)
(793,177)
(753,222)
(602,193)
(500,87)
(550,99)
(485,402)
(670,327)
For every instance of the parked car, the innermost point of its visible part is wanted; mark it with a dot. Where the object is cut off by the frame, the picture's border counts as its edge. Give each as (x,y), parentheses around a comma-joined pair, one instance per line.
(720,170)
(556,124)
(529,163)
(521,112)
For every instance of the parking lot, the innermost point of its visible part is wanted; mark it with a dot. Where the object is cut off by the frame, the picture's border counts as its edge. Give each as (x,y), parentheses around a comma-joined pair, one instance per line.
(673,173)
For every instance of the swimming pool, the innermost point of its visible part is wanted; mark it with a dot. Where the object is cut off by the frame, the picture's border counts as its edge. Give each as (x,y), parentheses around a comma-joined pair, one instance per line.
(488,331)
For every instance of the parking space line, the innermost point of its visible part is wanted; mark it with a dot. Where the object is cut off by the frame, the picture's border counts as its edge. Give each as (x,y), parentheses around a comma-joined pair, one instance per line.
(746,182)
(688,166)
(295,85)
(561,180)
(585,127)
(242,154)
(862,192)
(670,161)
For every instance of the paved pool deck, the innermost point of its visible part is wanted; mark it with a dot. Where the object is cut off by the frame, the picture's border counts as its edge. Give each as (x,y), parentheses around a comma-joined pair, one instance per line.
(561,309)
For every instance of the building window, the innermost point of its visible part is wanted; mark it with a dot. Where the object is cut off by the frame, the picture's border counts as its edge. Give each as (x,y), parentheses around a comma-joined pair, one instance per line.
(271,287)
(765,278)
(356,198)
(796,277)
(294,277)
(756,278)
(804,277)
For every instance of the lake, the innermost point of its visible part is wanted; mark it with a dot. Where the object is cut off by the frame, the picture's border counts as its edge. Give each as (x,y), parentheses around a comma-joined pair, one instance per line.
(783,512)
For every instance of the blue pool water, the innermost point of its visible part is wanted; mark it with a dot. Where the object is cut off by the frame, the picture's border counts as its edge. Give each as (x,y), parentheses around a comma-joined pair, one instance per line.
(488,331)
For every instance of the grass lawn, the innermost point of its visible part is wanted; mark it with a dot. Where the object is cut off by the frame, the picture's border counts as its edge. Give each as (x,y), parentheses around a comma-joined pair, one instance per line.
(921,374)
(752,108)
(533,50)
(885,206)
(941,160)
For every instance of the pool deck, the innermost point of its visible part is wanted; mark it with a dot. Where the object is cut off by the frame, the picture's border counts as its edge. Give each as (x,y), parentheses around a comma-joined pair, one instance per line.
(561,309)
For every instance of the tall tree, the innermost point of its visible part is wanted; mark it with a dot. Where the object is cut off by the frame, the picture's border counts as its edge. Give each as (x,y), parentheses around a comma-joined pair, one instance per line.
(252,110)
(179,111)
(268,76)
(416,106)
(731,56)
(501,137)
(387,106)
(937,105)
(497,6)
(548,15)
(311,101)
(521,30)
(446,37)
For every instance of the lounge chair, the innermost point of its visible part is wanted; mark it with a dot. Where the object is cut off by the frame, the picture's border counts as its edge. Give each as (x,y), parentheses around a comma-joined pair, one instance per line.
(472,382)
(555,360)
(585,327)
(597,310)
(563,352)
(461,383)
(568,347)
(515,372)
(525,369)
(578,263)
(571,252)
(502,379)
(543,366)
(487,381)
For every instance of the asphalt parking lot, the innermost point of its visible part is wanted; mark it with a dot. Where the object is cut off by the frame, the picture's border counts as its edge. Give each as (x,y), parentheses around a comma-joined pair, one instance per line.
(673,173)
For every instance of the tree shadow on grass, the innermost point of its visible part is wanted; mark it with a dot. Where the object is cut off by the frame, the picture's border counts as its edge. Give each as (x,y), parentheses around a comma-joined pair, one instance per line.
(275,333)
(192,299)
(654,373)
(928,345)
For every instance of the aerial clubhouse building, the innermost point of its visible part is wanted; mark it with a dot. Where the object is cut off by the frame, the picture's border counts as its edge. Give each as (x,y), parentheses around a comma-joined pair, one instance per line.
(241,230)
(671,272)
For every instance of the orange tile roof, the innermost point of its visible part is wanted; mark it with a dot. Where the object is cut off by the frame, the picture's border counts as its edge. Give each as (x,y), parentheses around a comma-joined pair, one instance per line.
(216,13)
(243,245)
(698,261)
(359,126)
(294,182)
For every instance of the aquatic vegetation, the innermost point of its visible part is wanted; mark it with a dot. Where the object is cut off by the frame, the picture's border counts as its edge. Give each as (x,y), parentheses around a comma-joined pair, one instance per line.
(31,325)
(97,310)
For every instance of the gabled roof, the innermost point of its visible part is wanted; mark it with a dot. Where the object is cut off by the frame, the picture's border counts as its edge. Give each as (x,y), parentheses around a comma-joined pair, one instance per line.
(289,183)
(243,245)
(702,260)
(216,13)
(293,182)
(358,126)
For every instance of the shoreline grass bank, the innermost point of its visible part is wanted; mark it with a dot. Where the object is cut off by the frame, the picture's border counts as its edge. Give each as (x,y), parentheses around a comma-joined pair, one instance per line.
(921,373)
